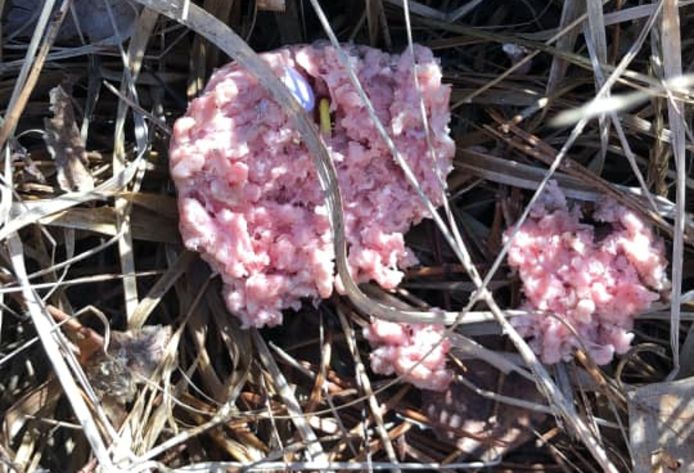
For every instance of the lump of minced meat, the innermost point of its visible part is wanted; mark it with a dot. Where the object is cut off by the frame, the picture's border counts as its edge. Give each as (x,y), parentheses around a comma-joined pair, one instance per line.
(417,352)
(249,198)
(596,284)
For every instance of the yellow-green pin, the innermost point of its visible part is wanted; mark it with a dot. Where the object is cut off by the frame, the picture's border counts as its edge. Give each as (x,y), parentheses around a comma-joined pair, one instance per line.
(324,113)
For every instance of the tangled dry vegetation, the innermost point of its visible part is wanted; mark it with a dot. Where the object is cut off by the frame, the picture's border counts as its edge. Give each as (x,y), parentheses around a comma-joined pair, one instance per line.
(116,351)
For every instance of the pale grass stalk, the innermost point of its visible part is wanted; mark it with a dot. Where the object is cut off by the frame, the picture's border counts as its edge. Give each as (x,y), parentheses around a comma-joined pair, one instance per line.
(43,326)
(596,40)
(132,61)
(161,287)
(26,213)
(570,10)
(77,281)
(313,447)
(598,55)
(15,107)
(344,466)
(672,67)
(363,380)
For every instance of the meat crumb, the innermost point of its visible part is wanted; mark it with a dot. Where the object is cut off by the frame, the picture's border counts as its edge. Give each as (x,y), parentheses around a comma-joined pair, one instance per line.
(417,352)
(596,286)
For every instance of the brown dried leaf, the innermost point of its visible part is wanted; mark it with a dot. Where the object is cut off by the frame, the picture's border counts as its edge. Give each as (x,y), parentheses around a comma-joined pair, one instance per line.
(132,356)
(143,349)
(65,144)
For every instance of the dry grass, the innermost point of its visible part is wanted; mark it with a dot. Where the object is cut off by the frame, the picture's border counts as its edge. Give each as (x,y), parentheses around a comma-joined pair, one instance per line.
(116,351)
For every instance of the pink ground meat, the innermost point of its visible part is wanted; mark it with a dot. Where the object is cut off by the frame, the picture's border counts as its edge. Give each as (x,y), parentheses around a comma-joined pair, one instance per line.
(597,285)
(406,350)
(250,201)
